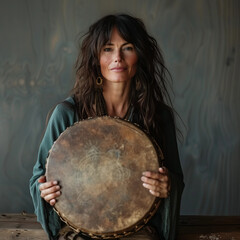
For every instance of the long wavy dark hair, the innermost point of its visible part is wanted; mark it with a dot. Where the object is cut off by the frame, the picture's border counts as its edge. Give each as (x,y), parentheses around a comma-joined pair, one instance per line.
(148,86)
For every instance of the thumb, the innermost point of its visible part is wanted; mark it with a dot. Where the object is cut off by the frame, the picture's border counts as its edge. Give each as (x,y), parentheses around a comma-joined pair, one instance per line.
(42,179)
(162,170)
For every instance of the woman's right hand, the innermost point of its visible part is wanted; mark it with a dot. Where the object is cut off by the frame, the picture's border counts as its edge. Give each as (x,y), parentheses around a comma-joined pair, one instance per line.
(49,190)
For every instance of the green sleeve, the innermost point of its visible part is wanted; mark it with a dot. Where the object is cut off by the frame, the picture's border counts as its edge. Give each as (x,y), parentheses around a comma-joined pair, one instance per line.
(166,218)
(61,118)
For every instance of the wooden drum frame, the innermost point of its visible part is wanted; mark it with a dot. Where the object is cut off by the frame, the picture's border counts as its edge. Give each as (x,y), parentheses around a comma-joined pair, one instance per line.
(98,163)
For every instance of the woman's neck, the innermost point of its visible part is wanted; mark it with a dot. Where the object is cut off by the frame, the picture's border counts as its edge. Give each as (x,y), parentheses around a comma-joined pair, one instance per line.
(116,96)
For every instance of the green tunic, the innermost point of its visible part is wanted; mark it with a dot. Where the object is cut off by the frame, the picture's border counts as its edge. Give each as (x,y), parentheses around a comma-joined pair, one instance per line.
(165,220)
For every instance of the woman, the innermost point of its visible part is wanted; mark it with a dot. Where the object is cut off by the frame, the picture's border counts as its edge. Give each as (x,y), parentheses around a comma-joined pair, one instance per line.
(119,72)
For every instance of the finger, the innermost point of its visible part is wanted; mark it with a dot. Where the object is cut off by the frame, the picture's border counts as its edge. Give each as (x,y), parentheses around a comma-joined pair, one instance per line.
(152,187)
(161,170)
(163,178)
(42,179)
(159,194)
(157,187)
(156,175)
(50,190)
(160,180)
(52,196)
(52,202)
(151,174)
(46,185)
(164,171)
(150,181)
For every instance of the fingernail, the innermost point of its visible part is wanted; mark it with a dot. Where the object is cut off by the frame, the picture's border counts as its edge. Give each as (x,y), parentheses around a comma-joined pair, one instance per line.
(142,178)
(144,184)
(58,192)
(55,182)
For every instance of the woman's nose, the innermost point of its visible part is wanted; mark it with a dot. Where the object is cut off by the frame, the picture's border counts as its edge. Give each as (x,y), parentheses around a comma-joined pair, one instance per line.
(118,56)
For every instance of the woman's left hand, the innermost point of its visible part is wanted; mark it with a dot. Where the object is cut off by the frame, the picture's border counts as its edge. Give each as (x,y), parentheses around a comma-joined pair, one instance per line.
(158,183)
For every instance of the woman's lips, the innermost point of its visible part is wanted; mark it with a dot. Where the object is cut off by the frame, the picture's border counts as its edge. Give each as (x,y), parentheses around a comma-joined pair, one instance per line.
(118,69)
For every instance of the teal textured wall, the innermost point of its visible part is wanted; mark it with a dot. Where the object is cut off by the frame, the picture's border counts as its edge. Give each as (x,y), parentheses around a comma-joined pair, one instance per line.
(200,41)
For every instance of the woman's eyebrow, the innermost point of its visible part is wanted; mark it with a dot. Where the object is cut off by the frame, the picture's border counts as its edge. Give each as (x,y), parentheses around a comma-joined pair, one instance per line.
(111,44)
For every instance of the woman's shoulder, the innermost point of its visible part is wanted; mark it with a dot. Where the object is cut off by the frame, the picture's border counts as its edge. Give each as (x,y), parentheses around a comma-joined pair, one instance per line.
(64,111)
(66,106)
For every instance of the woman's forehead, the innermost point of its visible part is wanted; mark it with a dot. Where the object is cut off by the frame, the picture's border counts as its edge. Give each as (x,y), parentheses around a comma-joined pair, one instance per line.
(116,37)
(116,34)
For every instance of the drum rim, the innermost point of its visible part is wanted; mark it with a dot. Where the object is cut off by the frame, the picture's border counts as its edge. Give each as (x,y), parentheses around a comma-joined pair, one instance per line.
(139,224)
(117,234)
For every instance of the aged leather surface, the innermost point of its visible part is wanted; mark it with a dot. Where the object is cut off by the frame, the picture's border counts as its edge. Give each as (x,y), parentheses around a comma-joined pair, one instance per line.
(99,163)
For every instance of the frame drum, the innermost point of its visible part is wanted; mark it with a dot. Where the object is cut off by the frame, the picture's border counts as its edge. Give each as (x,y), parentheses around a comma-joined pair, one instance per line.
(99,163)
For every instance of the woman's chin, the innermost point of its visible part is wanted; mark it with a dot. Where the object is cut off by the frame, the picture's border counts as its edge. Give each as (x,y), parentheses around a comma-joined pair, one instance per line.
(118,80)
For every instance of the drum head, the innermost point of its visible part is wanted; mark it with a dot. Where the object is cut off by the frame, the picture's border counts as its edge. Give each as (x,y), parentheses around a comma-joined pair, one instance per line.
(99,163)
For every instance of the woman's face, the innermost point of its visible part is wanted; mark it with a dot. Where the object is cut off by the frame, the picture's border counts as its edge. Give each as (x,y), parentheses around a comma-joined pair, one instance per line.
(118,59)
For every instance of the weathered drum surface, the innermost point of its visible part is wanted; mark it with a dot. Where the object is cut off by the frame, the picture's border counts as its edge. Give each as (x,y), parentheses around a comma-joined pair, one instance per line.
(99,164)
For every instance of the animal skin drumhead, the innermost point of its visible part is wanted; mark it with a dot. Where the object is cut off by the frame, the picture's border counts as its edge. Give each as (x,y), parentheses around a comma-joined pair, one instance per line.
(99,163)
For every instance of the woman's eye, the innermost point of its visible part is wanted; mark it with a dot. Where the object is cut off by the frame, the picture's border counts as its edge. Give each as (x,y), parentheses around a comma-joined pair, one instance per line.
(129,48)
(107,49)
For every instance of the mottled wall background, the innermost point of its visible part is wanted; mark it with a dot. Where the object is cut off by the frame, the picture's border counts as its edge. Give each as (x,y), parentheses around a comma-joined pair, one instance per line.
(200,41)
